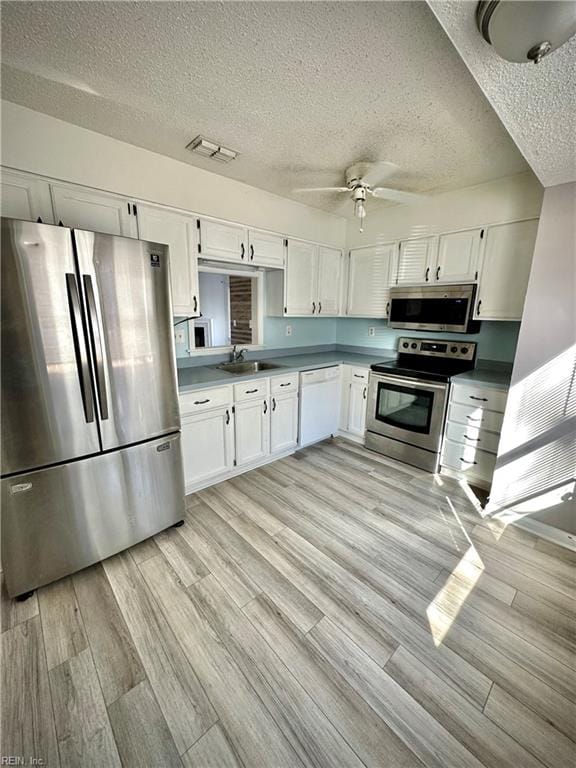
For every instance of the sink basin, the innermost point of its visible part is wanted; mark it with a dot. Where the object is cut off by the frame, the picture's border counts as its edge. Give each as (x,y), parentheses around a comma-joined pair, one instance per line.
(250,366)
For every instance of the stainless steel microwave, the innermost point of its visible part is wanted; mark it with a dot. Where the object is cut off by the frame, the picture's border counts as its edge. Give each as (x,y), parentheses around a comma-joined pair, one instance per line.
(433,308)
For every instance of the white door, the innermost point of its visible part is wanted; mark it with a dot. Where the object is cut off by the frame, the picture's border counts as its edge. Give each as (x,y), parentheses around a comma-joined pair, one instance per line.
(252,431)
(207,445)
(178,232)
(283,422)
(94,211)
(300,277)
(457,260)
(265,249)
(329,281)
(369,280)
(223,242)
(416,261)
(357,408)
(24,197)
(505,270)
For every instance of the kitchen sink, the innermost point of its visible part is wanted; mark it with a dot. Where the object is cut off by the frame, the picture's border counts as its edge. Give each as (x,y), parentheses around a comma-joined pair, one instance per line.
(251,366)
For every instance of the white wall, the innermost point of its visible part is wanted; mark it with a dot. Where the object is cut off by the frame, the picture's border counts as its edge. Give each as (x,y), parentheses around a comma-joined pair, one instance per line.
(537,450)
(32,141)
(515,197)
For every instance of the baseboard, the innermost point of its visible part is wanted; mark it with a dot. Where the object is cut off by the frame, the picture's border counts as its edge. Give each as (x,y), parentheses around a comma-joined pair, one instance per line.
(349,436)
(548,532)
(237,471)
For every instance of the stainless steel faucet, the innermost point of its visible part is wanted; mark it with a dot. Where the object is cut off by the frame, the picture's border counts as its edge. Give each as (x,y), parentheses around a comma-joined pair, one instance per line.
(238,355)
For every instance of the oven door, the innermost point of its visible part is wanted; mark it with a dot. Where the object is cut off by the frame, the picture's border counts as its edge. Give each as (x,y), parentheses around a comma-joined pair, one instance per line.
(408,410)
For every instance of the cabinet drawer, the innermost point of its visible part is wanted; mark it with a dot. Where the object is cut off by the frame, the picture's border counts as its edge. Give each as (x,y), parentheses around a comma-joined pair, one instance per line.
(469,435)
(475,417)
(468,460)
(491,399)
(204,399)
(358,374)
(250,390)
(281,385)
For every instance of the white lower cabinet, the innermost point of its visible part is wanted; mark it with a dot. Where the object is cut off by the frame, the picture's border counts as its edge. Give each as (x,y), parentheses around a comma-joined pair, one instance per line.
(283,422)
(207,445)
(353,404)
(252,431)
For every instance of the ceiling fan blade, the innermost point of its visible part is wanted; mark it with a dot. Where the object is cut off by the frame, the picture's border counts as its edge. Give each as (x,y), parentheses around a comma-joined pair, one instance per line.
(378,172)
(396,195)
(323,189)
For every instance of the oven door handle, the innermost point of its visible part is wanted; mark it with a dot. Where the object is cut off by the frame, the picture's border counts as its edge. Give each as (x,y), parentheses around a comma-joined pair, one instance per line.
(416,383)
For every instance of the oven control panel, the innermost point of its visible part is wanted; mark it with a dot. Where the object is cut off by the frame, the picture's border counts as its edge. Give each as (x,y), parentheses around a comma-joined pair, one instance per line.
(454,350)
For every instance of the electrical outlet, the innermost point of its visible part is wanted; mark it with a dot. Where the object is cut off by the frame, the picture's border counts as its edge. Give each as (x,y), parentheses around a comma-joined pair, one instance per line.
(371,331)
(288,330)
(179,337)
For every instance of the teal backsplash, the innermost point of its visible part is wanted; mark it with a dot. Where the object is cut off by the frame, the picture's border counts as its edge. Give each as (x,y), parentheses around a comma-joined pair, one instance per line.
(496,340)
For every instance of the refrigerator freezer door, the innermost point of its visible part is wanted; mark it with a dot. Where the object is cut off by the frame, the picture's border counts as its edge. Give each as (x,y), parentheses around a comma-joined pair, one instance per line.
(126,291)
(47,400)
(56,521)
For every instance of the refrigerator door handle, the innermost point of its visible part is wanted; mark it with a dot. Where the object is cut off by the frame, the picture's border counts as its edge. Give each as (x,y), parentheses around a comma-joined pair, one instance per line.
(79,348)
(96,342)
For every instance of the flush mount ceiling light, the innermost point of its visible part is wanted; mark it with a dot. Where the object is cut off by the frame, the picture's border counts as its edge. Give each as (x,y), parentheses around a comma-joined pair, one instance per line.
(208,148)
(526,31)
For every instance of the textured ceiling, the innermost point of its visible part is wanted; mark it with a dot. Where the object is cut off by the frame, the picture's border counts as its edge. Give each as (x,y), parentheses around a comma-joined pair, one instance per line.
(301,90)
(536,103)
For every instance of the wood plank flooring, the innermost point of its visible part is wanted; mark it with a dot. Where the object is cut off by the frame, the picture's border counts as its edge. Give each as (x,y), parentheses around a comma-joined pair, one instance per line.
(335,608)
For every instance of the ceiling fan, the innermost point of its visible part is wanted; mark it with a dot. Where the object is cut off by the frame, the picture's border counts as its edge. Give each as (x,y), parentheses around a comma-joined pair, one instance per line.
(363,179)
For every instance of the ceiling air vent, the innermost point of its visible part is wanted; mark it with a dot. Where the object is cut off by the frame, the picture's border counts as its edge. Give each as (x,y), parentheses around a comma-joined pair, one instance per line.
(208,148)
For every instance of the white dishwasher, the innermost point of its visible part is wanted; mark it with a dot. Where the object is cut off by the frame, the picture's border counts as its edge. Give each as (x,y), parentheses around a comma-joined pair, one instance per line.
(319,404)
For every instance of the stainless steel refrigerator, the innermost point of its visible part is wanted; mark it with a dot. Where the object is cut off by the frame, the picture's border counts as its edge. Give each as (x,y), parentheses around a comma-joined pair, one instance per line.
(91,460)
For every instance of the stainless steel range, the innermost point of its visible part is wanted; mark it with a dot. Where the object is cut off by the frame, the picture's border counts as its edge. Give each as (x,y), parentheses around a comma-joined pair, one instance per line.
(407,399)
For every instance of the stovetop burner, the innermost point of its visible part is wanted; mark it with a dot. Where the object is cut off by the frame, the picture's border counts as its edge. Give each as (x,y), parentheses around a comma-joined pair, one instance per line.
(430,360)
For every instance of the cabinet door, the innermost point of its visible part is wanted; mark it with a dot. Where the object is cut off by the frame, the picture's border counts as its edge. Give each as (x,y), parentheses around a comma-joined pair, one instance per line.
(207,445)
(505,270)
(283,422)
(178,232)
(416,261)
(252,431)
(24,197)
(300,277)
(357,408)
(265,249)
(95,211)
(329,281)
(223,242)
(457,260)
(369,280)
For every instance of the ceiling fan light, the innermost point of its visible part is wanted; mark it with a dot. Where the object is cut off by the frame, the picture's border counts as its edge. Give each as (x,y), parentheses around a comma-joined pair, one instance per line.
(359,209)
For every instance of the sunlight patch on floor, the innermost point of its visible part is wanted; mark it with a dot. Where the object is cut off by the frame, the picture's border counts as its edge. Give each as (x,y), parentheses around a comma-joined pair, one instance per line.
(444,609)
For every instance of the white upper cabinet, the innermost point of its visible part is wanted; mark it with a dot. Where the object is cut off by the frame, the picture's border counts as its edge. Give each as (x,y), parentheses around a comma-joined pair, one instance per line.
(223,242)
(93,210)
(25,197)
(329,281)
(301,278)
(416,261)
(505,270)
(179,233)
(458,256)
(265,249)
(369,275)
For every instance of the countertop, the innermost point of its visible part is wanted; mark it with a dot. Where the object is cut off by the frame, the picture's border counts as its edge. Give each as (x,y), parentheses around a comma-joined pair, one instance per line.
(495,377)
(197,377)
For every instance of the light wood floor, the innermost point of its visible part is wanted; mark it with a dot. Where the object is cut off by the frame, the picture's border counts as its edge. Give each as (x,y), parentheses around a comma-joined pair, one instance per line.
(332,609)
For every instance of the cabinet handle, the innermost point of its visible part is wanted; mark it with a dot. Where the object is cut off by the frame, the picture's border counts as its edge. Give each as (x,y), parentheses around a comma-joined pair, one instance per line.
(251,391)
(288,384)
(467,462)
(319,307)
(358,376)
(387,308)
(227,416)
(195,305)
(473,439)
(273,403)
(201,402)
(265,406)
(437,273)
(241,250)
(478,307)
(251,253)
(313,307)
(427,273)
(482,399)
(364,394)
